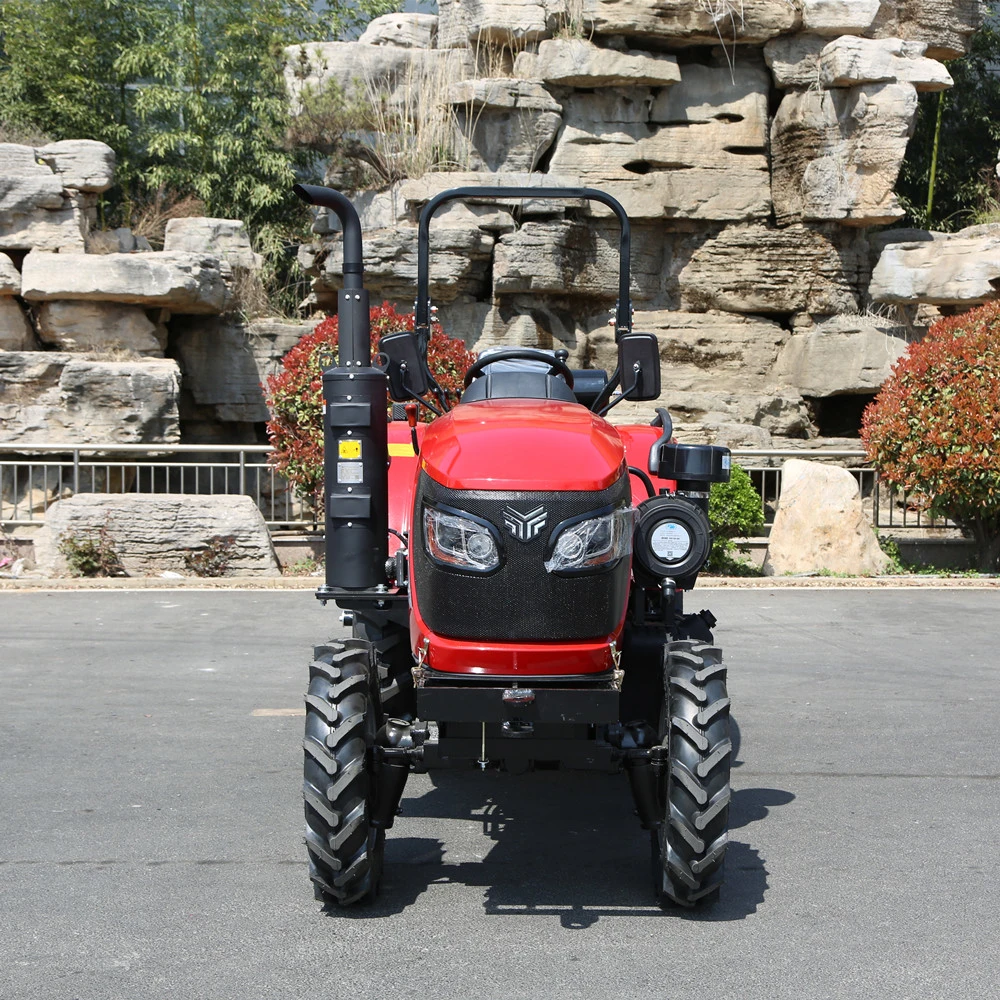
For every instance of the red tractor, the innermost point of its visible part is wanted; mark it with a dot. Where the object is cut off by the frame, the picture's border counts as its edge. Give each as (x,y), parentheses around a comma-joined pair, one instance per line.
(514,573)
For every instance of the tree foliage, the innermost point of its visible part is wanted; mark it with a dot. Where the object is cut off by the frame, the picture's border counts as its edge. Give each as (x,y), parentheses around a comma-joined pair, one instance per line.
(734,511)
(934,428)
(965,182)
(189,93)
(295,394)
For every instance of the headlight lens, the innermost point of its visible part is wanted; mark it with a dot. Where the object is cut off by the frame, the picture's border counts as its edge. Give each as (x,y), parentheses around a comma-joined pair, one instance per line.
(460,542)
(592,543)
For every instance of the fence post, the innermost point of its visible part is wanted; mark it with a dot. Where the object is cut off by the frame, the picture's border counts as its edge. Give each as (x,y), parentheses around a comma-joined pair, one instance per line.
(243,471)
(76,470)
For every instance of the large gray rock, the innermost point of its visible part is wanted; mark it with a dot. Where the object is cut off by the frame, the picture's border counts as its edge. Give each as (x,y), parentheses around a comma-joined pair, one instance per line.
(843,354)
(459,263)
(756,269)
(794,60)
(497,22)
(72,325)
(270,339)
(836,154)
(218,367)
(820,525)
(10,277)
(372,72)
(698,151)
(182,282)
(120,240)
(226,239)
(692,21)
(945,25)
(55,397)
(576,62)
(83,164)
(572,259)
(15,330)
(406,31)
(839,17)
(961,269)
(848,62)
(153,533)
(508,124)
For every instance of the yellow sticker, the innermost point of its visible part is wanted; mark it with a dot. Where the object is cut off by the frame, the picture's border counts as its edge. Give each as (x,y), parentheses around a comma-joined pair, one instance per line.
(349,449)
(400,450)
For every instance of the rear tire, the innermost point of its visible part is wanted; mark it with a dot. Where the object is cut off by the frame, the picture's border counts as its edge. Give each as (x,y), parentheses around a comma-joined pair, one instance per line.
(342,718)
(690,845)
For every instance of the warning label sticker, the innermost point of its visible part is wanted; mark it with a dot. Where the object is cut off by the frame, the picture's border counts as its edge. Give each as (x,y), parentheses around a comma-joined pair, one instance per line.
(349,472)
(349,448)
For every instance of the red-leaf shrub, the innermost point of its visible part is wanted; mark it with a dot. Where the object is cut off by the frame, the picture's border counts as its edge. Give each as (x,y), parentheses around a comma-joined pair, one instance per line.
(295,394)
(934,428)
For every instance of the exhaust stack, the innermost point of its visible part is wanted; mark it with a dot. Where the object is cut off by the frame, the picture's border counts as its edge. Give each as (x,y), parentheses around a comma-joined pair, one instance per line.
(355,436)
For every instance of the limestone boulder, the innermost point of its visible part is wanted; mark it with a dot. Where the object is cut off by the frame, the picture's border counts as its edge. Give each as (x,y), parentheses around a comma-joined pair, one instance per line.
(153,533)
(571,259)
(497,22)
(755,269)
(836,154)
(35,209)
(946,26)
(404,76)
(507,124)
(226,239)
(959,269)
(218,367)
(460,259)
(692,22)
(839,17)
(848,62)
(83,164)
(405,31)
(696,150)
(794,60)
(576,62)
(16,333)
(840,355)
(72,325)
(183,282)
(55,396)
(416,192)
(120,240)
(10,277)
(271,338)
(820,524)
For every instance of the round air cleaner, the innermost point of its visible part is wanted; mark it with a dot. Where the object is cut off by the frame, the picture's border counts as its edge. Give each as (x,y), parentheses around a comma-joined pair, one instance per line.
(672,538)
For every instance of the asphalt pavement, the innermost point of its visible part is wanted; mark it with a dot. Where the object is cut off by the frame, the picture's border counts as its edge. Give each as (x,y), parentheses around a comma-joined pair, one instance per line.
(150,818)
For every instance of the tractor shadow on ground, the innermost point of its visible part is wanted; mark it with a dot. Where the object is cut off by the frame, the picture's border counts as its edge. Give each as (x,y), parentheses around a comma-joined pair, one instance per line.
(549,843)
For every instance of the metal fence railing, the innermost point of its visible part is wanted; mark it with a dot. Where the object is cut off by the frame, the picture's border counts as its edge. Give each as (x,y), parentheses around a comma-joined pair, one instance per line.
(34,476)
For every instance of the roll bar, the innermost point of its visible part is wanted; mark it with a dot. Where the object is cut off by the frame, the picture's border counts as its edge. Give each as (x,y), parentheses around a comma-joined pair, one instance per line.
(623,310)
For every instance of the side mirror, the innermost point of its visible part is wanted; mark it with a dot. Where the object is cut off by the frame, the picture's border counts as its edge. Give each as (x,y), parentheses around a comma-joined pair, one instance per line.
(639,364)
(406,370)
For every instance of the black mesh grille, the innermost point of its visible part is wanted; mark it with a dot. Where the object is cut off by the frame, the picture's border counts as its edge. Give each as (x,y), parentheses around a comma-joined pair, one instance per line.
(520,601)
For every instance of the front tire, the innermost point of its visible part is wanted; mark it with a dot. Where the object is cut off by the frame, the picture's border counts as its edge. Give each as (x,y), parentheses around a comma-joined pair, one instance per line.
(342,714)
(690,845)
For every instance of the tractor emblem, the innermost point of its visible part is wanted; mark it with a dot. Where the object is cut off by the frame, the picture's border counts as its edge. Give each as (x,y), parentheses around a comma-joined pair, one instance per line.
(524,527)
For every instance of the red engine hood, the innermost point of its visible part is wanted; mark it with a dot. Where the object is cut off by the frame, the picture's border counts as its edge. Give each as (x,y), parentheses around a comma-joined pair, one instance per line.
(517,444)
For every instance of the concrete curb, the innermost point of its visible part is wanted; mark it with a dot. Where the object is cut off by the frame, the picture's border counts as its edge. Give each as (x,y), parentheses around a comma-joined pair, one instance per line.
(305,583)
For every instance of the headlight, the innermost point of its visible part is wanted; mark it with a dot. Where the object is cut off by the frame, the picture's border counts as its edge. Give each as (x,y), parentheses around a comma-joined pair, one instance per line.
(589,543)
(461,542)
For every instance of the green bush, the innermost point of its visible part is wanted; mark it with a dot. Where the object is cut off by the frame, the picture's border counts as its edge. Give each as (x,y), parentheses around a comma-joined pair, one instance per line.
(92,553)
(734,511)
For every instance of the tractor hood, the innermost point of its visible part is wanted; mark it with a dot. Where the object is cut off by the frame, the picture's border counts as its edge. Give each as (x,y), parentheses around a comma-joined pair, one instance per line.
(517,444)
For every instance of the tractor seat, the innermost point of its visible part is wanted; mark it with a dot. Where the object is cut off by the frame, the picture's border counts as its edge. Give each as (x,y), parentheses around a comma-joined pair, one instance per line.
(520,384)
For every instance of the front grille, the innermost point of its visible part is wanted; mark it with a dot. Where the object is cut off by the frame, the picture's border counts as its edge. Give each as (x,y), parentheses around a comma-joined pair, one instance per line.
(520,601)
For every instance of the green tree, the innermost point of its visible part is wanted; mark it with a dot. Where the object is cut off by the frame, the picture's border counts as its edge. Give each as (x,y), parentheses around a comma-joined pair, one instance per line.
(734,511)
(189,93)
(934,428)
(948,175)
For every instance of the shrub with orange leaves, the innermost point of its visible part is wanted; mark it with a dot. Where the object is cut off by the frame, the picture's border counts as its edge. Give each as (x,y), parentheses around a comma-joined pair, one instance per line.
(934,428)
(295,394)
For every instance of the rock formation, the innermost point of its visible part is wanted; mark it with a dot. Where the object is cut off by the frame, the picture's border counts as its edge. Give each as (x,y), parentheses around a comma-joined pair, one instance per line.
(755,152)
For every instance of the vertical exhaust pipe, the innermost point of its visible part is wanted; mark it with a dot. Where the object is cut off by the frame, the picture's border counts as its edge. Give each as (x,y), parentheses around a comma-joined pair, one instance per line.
(355,435)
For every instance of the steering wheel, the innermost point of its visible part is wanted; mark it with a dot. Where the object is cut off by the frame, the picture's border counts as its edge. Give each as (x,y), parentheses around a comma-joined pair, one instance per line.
(557,367)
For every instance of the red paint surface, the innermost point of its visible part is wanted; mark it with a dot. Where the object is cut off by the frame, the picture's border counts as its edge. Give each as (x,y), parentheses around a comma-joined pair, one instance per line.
(547,659)
(504,445)
(518,444)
